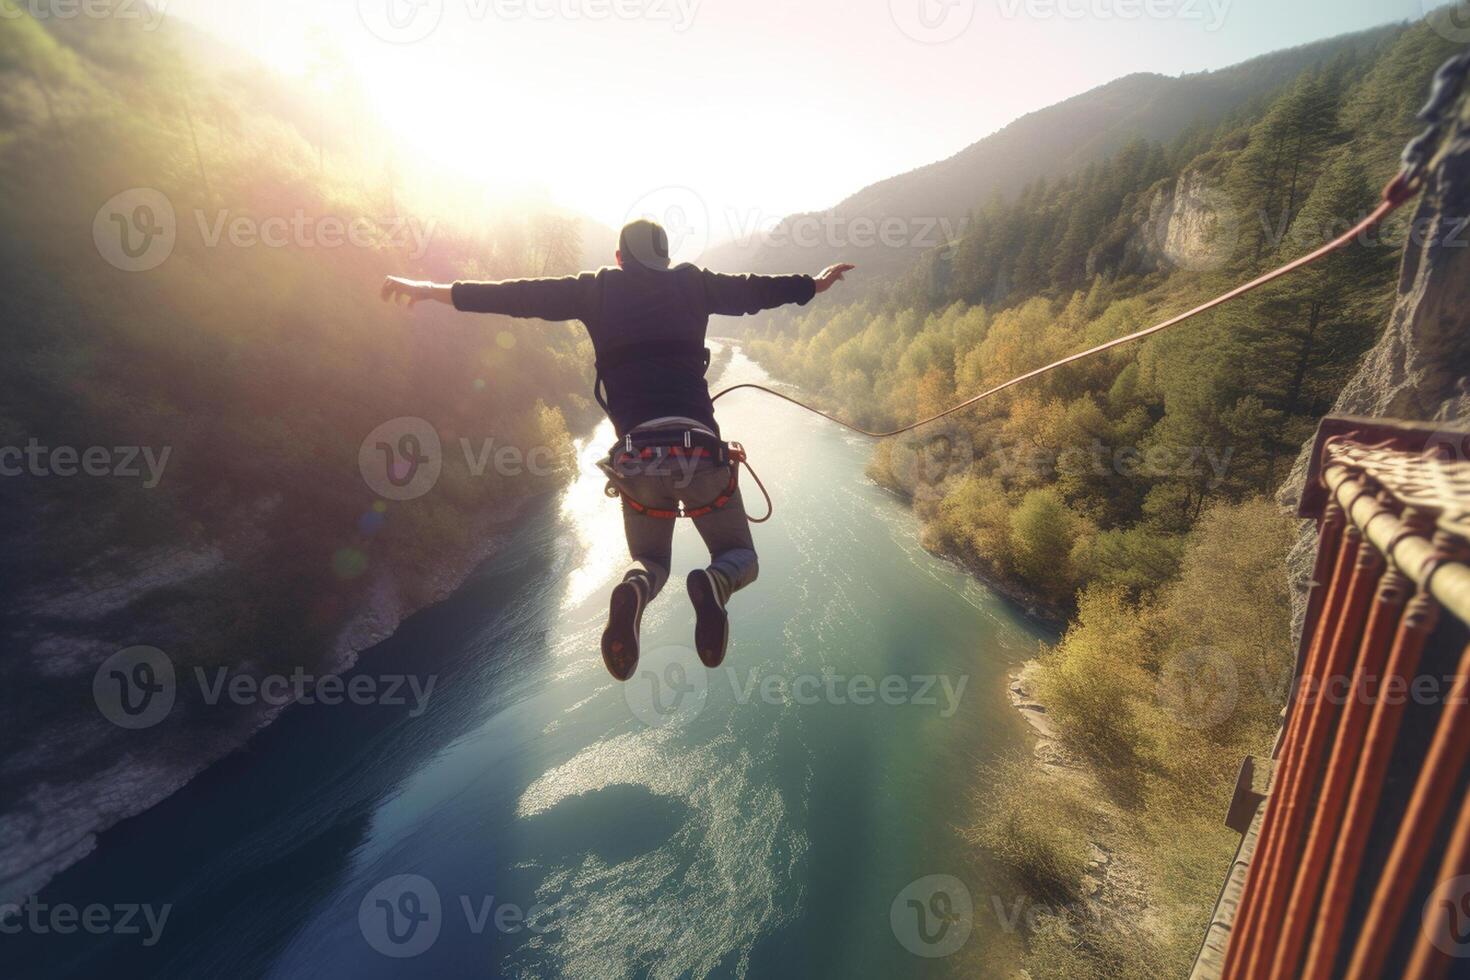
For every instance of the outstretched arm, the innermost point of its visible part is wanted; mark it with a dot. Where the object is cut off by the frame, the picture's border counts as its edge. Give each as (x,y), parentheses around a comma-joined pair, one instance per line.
(545,299)
(740,295)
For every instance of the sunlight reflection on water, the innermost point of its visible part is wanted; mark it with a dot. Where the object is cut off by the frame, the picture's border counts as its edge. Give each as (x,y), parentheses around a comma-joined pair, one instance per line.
(594,522)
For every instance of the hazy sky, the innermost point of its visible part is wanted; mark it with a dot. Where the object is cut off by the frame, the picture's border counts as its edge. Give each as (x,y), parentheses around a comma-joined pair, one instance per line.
(761,107)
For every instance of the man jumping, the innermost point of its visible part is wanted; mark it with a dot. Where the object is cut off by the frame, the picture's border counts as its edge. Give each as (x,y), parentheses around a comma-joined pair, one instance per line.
(648,322)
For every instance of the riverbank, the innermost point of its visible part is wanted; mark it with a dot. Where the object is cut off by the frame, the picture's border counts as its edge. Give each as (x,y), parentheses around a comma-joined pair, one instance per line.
(77,774)
(1113,893)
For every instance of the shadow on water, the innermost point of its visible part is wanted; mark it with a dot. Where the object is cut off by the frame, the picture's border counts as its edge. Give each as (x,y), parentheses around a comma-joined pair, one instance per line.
(245,847)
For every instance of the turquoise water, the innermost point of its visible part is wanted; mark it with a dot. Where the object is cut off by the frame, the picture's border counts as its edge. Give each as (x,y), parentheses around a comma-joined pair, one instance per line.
(763,820)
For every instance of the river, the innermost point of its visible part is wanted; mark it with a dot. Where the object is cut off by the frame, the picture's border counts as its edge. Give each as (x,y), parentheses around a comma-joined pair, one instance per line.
(784,816)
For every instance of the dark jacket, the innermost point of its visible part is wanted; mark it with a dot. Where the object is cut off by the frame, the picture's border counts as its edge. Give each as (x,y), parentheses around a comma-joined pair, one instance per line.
(648,328)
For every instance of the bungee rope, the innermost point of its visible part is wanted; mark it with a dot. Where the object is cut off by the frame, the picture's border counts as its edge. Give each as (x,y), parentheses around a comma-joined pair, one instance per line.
(1394,196)
(1448,80)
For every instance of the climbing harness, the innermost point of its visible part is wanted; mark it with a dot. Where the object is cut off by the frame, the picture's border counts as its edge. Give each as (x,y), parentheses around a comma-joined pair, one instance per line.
(657,446)
(1448,81)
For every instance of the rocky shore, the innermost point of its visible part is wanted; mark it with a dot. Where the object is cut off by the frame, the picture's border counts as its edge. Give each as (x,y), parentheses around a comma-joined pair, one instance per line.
(1112,888)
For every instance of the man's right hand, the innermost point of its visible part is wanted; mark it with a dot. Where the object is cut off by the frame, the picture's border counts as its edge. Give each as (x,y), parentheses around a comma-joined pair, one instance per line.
(831,275)
(396,289)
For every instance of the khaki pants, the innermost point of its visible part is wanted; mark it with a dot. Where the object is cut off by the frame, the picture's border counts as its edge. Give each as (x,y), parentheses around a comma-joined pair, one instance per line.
(662,484)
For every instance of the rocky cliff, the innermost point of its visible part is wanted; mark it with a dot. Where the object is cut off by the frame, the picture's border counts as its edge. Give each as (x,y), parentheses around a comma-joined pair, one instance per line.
(71,772)
(1420,368)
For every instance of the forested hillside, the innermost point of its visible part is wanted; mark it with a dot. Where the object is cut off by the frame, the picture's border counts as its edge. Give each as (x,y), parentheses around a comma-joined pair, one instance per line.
(1129,494)
(265,401)
(224,326)
(1093,474)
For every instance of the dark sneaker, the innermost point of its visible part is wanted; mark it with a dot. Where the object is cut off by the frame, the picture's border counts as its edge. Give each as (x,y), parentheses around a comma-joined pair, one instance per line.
(711,622)
(620,639)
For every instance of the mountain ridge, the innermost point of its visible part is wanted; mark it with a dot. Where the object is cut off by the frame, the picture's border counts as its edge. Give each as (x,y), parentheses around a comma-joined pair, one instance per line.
(1049,143)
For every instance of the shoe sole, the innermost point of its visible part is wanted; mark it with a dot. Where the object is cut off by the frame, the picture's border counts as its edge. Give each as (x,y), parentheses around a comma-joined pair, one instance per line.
(711,622)
(620,639)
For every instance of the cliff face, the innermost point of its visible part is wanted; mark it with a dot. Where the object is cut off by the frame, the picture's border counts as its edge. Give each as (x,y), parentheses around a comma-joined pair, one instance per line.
(70,773)
(1420,368)
(1183,225)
